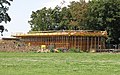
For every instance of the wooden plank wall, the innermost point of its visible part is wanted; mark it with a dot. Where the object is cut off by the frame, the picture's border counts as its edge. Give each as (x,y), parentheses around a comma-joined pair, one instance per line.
(79,42)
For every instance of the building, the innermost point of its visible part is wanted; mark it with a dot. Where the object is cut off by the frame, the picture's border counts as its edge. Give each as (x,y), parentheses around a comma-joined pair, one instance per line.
(85,40)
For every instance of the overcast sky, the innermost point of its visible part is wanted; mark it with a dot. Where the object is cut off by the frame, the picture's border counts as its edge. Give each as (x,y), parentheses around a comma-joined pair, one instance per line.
(20,11)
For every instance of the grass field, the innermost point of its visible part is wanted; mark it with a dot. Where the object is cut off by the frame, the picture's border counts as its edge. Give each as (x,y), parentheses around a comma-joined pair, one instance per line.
(59,63)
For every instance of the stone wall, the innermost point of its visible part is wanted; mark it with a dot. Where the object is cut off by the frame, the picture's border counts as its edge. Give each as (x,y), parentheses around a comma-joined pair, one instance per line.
(13,45)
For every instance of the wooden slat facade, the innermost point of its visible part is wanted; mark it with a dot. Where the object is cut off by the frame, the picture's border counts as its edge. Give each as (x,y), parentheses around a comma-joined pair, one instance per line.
(83,40)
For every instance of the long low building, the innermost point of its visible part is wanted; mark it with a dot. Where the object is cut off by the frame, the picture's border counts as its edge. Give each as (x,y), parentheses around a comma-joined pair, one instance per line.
(83,40)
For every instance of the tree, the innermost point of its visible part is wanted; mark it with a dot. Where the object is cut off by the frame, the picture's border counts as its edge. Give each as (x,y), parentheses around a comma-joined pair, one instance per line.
(78,11)
(60,18)
(41,19)
(105,15)
(65,19)
(50,19)
(4,7)
(56,18)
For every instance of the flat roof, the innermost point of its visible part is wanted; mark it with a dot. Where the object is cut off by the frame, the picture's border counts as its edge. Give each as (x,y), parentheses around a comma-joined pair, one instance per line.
(62,33)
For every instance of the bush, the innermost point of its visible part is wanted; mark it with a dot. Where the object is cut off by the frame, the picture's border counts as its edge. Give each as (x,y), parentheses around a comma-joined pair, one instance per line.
(72,50)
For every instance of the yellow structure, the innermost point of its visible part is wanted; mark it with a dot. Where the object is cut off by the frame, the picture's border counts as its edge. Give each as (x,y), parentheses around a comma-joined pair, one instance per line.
(83,40)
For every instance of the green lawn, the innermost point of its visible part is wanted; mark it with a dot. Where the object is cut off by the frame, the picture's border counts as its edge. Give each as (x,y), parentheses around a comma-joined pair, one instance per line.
(59,63)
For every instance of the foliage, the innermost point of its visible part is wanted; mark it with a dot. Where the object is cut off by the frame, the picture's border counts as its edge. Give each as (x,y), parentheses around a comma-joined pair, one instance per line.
(48,19)
(59,63)
(105,15)
(4,6)
(39,19)
(78,11)
(59,18)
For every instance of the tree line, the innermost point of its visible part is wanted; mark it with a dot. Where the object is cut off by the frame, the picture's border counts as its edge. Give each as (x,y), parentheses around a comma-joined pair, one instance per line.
(93,15)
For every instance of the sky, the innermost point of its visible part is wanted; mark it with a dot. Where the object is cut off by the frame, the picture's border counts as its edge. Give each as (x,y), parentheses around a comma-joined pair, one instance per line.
(20,11)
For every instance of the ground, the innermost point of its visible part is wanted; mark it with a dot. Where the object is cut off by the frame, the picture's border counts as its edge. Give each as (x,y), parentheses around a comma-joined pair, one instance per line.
(15,63)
